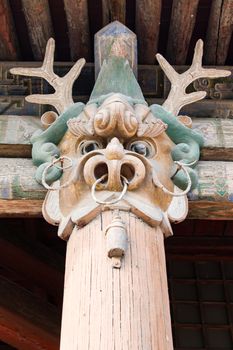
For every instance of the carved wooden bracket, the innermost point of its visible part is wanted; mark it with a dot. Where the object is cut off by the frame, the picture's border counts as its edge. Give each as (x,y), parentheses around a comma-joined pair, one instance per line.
(116,143)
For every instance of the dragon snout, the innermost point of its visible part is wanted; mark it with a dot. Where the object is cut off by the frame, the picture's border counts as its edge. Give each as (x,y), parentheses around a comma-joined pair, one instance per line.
(114,166)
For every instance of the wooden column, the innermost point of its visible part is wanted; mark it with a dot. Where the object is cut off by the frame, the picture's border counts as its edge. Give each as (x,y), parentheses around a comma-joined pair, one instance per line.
(109,308)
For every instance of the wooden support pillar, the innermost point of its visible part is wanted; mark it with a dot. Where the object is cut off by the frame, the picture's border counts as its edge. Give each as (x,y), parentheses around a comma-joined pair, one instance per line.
(110,308)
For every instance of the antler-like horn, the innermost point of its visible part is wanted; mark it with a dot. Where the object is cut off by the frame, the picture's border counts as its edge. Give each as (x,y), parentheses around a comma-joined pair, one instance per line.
(177,97)
(61,99)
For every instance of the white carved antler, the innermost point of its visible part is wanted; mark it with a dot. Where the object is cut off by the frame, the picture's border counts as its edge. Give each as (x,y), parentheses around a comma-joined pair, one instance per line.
(177,97)
(62,97)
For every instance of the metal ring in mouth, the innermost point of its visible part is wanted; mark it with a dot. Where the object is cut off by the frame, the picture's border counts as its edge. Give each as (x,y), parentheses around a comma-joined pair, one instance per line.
(114,201)
(174,194)
(55,161)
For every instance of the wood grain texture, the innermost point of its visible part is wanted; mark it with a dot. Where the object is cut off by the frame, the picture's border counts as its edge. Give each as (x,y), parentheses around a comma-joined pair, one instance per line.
(9,49)
(219,32)
(124,308)
(113,10)
(27,208)
(78,28)
(182,23)
(40,29)
(225,31)
(27,323)
(147,29)
(212,35)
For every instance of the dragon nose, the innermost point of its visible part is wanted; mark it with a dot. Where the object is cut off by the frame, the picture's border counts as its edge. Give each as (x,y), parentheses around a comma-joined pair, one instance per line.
(114,150)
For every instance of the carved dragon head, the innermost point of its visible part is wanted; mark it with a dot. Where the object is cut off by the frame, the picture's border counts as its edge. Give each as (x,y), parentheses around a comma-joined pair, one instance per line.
(116,151)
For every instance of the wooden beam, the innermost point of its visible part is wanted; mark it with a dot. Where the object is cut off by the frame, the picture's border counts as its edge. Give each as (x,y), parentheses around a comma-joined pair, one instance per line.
(23,195)
(30,257)
(113,10)
(147,29)
(219,32)
(182,23)
(29,208)
(198,209)
(15,133)
(26,322)
(9,49)
(78,28)
(40,29)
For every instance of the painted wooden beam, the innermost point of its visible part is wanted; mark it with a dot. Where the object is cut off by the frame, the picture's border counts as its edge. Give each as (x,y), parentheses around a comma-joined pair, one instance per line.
(22,196)
(113,10)
(182,23)
(16,131)
(78,28)
(219,32)
(9,49)
(148,15)
(27,322)
(40,29)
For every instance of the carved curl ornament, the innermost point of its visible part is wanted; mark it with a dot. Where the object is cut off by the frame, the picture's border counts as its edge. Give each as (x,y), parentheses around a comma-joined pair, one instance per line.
(116,152)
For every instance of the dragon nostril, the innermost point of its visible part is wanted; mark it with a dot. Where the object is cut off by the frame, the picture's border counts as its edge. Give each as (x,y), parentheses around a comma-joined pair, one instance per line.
(128,171)
(100,170)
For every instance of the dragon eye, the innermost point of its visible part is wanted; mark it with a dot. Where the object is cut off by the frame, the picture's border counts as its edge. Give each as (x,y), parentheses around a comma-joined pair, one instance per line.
(141,147)
(89,146)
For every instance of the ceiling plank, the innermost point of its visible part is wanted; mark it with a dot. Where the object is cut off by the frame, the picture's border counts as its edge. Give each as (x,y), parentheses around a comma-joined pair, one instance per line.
(27,322)
(148,15)
(40,28)
(182,23)
(78,29)
(9,49)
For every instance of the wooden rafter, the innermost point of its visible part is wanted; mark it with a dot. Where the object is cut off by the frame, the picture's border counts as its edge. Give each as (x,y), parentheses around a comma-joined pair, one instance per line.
(78,28)
(40,29)
(219,32)
(182,23)
(147,29)
(8,43)
(113,10)
(27,323)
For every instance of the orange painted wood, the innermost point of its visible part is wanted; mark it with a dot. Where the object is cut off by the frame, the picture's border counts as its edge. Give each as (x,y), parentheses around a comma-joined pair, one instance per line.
(182,23)
(113,10)
(147,29)
(39,23)
(26,322)
(106,308)
(78,28)
(8,41)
